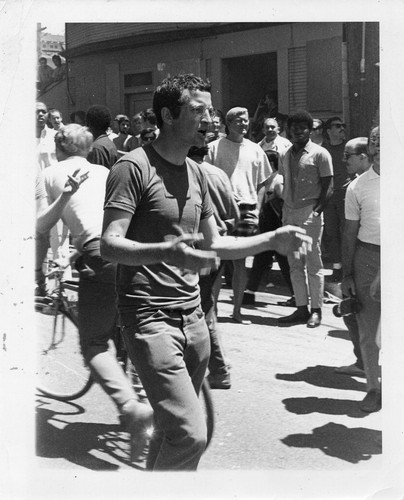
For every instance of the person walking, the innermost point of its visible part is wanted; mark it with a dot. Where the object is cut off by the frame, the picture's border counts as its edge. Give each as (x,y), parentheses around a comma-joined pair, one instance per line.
(157,206)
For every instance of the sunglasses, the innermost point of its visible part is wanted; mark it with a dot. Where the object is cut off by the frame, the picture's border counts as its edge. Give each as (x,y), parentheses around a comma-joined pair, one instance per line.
(346,156)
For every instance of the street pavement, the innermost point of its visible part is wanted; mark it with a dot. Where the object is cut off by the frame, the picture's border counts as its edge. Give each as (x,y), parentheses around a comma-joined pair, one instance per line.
(286,410)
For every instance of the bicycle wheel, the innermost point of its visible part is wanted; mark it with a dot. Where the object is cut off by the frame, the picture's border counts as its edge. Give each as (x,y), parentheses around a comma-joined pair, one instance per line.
(62,373)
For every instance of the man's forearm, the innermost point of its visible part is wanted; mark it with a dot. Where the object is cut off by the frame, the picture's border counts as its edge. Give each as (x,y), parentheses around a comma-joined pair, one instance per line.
(348,246)
(48,217)
(132,253)
(234,248)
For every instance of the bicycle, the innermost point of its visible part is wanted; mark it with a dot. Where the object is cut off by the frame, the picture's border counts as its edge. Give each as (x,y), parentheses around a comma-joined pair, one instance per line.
(61,369)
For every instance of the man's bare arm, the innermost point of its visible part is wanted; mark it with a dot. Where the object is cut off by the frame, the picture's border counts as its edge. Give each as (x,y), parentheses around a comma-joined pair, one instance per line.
(326,192)
(285,240)
(115,247)
(351,229)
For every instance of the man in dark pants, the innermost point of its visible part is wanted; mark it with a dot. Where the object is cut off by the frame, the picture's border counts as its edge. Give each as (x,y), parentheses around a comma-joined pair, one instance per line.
(269,219)
(156,201)
(96,297)
(225,211)
(334,216)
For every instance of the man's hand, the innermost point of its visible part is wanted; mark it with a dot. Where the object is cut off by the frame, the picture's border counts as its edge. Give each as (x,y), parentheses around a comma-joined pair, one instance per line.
(73,182)
(348,286)
(190,259)
(291,239)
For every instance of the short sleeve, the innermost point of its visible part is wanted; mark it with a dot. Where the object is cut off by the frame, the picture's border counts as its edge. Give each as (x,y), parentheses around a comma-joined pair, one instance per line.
(324,162)
(125,185)
(352,209)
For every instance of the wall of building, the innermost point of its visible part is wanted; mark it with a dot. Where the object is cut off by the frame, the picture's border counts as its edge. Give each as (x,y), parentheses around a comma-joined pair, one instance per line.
(99,78)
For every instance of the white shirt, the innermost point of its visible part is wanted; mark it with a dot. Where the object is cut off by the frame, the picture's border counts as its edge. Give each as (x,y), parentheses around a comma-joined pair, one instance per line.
(46,148)
(84,212)
(245,164)
(362,203)
(279,144)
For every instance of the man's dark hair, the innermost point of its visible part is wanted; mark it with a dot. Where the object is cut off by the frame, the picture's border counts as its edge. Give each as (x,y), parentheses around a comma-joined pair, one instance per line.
(147,131)
(328,123)
(149,116)
(81,115)
(43,59)
(300,117)
(57,58)
(98,119)
(169,93)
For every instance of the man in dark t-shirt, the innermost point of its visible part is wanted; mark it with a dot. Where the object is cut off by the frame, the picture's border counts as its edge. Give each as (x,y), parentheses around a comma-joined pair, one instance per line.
(156,203)
(103,152)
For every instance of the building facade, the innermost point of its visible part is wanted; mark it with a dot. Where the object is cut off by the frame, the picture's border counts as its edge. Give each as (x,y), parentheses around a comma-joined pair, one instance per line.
(312,66)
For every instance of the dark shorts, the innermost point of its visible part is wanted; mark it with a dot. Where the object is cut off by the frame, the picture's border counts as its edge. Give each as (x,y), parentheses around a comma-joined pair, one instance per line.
(97,299)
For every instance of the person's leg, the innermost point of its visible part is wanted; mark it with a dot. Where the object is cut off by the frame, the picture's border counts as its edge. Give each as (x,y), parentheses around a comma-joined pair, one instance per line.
(366,267)
(285,270)
(298,277)
(170,350)
(239,283)
(351,323)
(97,316)
(217,364)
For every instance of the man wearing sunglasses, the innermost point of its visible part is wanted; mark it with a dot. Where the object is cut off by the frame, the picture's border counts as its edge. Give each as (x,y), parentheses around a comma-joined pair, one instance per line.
(334,212)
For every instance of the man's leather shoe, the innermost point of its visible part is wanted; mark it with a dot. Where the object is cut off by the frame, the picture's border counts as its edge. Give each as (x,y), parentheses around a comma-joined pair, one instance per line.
(299,316)
(314,320)
(372,401)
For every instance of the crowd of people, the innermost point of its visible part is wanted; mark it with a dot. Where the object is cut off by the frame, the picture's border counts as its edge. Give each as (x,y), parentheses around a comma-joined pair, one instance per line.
(157,204)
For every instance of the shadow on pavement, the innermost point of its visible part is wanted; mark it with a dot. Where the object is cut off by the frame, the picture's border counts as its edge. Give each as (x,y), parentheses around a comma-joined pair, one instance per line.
(336,440)
(77,442)
(339,334)
(323,376)
(304,406)
(255,320)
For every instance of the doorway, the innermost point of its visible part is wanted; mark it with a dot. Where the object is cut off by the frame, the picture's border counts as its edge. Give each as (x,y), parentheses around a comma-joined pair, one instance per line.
(246,79)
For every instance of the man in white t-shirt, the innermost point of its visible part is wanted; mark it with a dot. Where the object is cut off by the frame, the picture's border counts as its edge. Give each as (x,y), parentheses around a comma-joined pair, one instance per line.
(272,140)
(361,265)
(248,168)
(82,212)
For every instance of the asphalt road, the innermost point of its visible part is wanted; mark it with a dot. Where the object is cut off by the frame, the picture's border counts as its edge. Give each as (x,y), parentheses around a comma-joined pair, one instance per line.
(286,409)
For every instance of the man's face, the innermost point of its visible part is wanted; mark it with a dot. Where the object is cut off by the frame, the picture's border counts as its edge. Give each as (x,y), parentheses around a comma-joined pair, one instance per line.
(270,129)
(217,123)
(41,114)
(353,160)
(336,131)
(374,143)
(238,126)
(299,133)
(124,126)
(195,118)
(55,119)
(137,124)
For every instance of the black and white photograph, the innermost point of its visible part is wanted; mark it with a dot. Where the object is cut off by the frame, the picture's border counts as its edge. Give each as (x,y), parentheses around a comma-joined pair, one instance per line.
(201,266)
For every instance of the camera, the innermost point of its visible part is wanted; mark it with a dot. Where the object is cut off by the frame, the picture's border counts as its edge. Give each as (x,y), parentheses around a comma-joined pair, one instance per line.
(346,307)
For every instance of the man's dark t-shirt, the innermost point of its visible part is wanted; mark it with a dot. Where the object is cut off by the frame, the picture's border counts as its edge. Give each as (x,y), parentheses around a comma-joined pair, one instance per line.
(103,152)
(160,195)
